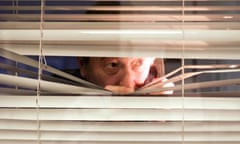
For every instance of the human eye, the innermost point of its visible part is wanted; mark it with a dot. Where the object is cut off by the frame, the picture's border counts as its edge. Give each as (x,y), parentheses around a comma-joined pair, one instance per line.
(112,64)
(111,67)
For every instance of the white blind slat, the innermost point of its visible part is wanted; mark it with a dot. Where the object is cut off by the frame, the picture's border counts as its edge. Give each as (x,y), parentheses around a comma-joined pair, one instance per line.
(123,17)
(121,114)
(123,25)
(184,29)
(124,137)
(121,102)
(199,52)
(81,126)
(114,35)
(126,8)
(105,142)
(48,86)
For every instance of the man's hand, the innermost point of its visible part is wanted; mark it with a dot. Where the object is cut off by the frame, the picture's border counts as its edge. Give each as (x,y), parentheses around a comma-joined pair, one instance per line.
(169,84)
(119,89)
(125,90)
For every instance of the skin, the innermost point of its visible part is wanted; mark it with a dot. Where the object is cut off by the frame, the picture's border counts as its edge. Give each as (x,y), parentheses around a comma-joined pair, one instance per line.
(119,75)
(129,73)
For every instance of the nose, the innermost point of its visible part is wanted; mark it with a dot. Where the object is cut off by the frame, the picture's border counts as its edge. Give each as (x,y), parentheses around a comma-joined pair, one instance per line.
(128,79)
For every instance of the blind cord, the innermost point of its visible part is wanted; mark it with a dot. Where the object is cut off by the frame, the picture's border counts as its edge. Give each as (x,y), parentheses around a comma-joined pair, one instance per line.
(40,69)
(183,71)
(15,11)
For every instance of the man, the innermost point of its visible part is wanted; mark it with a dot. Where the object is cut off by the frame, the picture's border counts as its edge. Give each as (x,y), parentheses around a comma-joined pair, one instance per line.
(121,75)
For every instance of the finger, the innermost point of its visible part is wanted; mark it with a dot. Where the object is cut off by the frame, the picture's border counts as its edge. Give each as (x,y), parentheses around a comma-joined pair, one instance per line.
(119,89)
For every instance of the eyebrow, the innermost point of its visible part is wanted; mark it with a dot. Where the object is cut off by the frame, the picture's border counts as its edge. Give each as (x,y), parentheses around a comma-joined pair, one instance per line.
(108,58)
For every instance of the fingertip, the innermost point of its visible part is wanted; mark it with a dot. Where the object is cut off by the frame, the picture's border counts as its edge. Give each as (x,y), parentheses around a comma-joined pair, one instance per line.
(119,89)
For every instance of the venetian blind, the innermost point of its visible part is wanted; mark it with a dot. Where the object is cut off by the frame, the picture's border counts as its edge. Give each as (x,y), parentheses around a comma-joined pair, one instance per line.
(44,109)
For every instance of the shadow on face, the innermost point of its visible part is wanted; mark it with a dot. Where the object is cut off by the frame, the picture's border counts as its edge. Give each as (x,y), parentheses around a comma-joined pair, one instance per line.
(126,72)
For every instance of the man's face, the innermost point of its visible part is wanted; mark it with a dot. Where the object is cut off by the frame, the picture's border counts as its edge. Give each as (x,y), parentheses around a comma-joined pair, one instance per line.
(126,72)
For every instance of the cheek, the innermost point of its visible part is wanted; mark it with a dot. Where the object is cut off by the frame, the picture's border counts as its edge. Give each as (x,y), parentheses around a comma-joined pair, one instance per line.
(94,76)
(100,78)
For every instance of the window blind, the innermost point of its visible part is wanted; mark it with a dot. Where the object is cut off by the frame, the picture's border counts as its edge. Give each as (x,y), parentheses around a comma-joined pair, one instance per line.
(124,28)
(52,110)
